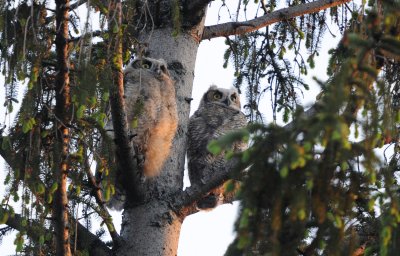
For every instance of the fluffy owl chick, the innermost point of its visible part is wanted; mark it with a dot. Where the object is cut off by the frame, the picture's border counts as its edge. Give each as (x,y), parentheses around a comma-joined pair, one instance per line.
(152,117)
(151,110)
(219,113)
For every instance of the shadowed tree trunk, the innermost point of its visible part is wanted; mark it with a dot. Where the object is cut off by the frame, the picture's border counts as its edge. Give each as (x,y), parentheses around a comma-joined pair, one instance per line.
(63,103)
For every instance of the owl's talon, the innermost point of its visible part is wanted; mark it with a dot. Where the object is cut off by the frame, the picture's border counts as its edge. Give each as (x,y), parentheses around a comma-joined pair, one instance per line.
(140,161)
(208,202)
(131,136)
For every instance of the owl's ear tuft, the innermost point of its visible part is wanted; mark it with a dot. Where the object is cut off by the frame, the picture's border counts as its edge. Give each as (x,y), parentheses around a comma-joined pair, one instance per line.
(213,87)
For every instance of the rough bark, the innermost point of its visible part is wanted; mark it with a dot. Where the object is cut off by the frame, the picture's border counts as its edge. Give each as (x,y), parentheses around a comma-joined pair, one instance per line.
(155,229)
(60,213)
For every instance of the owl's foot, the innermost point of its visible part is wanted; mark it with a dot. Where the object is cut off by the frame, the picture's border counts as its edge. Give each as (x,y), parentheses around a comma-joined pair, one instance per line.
(132,135)
(209,202)
(140,159)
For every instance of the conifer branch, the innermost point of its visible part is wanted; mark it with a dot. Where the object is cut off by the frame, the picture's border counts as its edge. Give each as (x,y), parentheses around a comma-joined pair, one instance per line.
(103,210)
(8,155)
(86,241)
(238,28)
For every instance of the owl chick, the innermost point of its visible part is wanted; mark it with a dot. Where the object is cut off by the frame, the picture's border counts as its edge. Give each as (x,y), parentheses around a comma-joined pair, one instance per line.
(219,113)
(152,116)
(151,111)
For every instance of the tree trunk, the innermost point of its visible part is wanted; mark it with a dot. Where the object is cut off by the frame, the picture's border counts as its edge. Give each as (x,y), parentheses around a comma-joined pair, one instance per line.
(153,228)
(150,229)
(62,91)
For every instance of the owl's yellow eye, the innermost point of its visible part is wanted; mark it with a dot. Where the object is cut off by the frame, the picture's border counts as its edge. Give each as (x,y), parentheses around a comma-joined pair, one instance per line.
(217,95)
(145,66)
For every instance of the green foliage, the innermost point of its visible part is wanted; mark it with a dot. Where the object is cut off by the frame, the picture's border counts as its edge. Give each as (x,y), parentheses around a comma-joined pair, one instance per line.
(19,242)
(226,141)
(3,216)
(265,65)
(27,43)
(310,187)
(176,17)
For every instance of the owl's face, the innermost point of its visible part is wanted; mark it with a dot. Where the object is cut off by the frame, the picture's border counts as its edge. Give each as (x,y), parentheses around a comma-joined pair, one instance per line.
(159,66)
(223,97)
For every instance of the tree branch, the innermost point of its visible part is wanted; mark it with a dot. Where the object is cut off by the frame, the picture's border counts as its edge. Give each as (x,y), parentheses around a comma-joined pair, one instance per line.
(86,240)
(183,201)
(237,28)
(7,154)
(127,173)
(90,34)
(77,4)
(103,212)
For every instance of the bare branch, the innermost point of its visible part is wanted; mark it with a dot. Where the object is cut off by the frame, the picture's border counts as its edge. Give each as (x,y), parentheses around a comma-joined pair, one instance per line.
(237,28)
(77,4)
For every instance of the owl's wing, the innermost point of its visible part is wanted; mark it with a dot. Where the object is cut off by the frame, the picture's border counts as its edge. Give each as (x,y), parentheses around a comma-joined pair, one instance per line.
(240,122)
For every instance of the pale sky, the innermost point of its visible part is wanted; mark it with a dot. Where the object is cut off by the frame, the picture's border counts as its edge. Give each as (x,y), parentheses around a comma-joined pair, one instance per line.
(204,233)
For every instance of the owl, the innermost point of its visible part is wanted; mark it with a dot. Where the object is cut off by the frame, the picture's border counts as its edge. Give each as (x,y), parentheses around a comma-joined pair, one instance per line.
(218,113)
(151,109)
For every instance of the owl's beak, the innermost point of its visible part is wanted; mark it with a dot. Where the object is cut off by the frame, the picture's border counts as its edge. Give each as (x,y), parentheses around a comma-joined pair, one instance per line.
(162,69)
(227,102)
